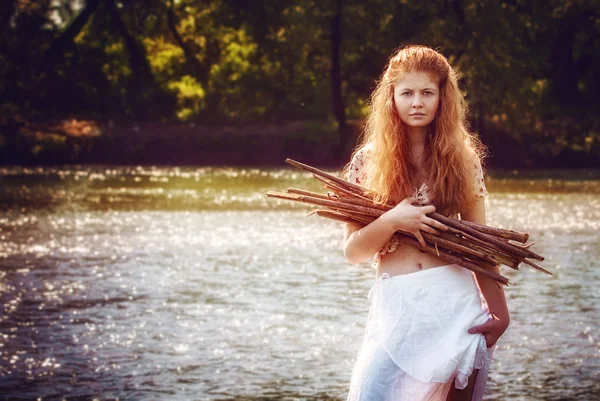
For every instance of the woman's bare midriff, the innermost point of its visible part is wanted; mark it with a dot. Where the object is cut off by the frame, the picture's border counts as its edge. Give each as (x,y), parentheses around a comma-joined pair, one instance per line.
(407,259)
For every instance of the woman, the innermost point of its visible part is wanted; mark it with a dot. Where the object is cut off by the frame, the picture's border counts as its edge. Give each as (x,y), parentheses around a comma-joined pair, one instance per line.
(428,326)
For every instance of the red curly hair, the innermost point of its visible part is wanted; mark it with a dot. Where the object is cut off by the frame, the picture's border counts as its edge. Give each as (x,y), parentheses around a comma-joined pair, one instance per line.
(449,150)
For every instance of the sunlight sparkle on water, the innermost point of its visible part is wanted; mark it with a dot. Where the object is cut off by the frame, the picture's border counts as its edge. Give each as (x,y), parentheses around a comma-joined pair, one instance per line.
(132,281)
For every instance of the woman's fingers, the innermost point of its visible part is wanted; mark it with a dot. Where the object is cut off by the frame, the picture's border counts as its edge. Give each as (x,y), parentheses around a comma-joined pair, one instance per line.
(484,327)
(420,238)
(430,230)
(428,209)
(492,330)
(434,223)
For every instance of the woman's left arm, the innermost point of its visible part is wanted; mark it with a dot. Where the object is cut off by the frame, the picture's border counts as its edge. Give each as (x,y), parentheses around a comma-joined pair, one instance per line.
(492,292)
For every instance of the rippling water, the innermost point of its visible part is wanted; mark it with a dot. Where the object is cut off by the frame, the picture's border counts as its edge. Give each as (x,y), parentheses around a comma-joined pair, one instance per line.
(177,284)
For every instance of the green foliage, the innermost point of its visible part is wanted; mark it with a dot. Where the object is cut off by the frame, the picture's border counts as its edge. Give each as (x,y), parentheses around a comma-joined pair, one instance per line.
(528,67)
(190,97)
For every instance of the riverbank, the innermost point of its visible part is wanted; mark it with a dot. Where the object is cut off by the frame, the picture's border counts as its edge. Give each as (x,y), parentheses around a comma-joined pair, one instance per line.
(91,142)
(78,141)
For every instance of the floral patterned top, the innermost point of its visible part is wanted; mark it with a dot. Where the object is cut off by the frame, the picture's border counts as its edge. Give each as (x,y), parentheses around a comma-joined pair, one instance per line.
(355,175)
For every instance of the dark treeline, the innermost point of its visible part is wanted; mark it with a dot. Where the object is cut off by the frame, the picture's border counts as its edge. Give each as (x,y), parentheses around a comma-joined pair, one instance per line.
(528,67)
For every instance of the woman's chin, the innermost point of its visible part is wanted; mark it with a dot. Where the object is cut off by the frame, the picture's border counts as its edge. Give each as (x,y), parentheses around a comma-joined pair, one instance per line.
(418,124)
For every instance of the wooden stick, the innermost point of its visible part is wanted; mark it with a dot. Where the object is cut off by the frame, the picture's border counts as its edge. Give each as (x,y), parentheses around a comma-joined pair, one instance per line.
(360,202)
(356,188)
(441,242)
(500,257)
(342,207)
(363,220)
(494,240)
(470,240)
(453,246)
(328,203)
(308,193)
(456,259)
(525,248)
(483,236)
(411,241)
(324,202)
(431,239)
(540,268)
(362,191)
(329,196)
(334,187)
(444,243)
(335,216)
(498,232)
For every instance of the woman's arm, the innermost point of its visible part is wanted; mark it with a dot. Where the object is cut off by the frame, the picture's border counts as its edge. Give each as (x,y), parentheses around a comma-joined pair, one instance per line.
(493,293)
(362,243)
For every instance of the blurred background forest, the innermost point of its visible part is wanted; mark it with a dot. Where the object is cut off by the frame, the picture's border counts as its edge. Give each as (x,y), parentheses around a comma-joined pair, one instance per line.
(252,82)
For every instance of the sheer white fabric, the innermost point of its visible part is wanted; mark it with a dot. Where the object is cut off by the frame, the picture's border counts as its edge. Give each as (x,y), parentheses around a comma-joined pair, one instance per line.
(416,343)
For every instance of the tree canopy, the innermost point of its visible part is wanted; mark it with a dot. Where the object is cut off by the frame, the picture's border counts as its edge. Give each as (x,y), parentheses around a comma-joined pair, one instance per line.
(528,67)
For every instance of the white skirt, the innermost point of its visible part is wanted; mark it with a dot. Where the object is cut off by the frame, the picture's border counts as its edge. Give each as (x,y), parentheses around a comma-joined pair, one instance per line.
(416,342)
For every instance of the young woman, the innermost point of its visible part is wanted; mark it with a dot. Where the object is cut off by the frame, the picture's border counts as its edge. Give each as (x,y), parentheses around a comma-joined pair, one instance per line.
(432,326)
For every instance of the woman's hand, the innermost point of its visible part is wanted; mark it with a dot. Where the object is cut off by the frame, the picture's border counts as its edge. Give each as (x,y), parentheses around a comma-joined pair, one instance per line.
(492,330)
(412,219)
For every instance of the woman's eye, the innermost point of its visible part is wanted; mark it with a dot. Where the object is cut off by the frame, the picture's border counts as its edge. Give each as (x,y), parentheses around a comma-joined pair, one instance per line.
(405,93)
(428,93)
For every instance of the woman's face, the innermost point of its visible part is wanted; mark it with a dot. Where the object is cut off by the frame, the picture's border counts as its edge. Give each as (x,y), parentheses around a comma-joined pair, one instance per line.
(416,97)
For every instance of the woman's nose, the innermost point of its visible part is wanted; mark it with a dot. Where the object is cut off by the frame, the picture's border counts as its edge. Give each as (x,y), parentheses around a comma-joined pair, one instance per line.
(417,101)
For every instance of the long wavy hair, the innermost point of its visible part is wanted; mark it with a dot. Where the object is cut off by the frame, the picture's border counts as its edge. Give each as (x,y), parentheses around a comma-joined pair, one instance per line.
(449,149)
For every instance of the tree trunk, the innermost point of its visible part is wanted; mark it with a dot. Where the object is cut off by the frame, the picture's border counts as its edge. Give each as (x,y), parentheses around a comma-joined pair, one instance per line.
(58,47)
(336,78)
(7,8)
(143,96)
(199,70)
(564,73)
(135,51)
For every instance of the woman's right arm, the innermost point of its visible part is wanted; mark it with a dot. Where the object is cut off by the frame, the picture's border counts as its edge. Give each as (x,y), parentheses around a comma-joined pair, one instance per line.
(362,243)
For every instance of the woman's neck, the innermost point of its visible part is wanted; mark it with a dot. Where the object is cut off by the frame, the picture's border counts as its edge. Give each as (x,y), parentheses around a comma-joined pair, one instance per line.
(417,137)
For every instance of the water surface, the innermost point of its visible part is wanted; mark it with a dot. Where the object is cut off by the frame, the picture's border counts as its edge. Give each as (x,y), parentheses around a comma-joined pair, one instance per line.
(177,284)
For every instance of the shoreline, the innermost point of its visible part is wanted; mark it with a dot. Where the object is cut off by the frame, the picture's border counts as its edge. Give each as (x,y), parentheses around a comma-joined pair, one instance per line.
(86,142)
(319,143)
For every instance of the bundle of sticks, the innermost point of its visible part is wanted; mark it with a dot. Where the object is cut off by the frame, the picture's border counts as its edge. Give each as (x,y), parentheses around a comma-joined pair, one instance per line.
(476,247)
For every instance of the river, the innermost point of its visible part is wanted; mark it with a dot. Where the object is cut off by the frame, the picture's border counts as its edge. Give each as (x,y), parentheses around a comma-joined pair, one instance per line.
(187,283)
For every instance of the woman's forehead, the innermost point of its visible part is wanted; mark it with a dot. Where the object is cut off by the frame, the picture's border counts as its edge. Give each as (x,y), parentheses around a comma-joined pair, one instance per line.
(416,80)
